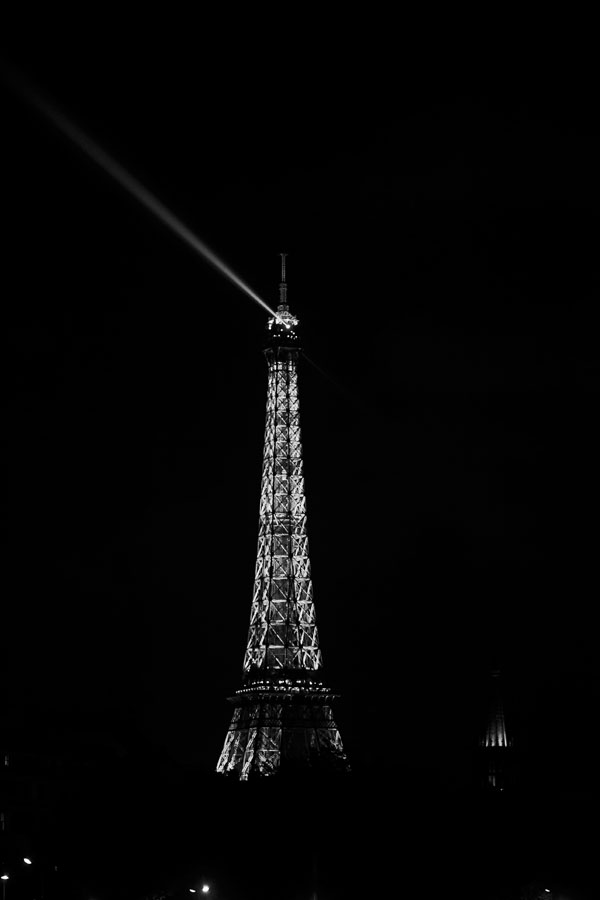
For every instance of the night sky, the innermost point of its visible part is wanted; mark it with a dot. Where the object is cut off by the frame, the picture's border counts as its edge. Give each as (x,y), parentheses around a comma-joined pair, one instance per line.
(443,260)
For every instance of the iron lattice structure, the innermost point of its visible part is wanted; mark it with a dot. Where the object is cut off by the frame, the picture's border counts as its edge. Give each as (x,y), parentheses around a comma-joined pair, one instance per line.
(282,720)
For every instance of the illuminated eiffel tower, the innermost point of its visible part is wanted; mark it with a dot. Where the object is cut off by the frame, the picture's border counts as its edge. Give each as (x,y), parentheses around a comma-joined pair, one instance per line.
(282,721)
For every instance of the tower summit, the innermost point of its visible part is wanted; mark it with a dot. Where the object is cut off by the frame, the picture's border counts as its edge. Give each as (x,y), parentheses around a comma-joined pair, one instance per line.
(282,721)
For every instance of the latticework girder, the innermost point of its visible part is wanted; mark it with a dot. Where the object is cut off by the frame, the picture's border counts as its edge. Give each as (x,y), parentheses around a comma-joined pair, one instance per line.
(269,735)
(283,632)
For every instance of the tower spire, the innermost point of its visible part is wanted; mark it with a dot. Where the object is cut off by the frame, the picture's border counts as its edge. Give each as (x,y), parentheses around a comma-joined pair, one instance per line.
(283,304)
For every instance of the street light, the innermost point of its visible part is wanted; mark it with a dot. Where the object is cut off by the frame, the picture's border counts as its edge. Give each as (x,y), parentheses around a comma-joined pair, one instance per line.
(27,861)
(4,880)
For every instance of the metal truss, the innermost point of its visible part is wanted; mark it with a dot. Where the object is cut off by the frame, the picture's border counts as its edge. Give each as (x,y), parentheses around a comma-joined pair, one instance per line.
(283,632)
(273,734)
(282,718)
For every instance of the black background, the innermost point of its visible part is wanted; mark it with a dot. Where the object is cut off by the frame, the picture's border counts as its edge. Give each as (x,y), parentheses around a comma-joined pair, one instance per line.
(442,232)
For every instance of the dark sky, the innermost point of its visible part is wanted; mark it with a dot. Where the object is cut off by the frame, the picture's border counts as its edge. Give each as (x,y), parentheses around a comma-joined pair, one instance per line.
(442,237)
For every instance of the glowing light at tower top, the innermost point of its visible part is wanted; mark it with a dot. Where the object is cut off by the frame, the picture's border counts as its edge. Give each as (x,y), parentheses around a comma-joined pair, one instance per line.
(283,316)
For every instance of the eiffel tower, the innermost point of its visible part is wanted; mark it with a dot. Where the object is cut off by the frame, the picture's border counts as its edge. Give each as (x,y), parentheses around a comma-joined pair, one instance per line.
(282,722)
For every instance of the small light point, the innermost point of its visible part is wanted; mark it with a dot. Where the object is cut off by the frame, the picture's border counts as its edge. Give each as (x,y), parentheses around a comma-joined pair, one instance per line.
(205,889)
(26,860)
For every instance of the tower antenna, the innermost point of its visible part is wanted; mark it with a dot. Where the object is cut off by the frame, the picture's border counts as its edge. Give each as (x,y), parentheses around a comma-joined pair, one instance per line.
(282,284)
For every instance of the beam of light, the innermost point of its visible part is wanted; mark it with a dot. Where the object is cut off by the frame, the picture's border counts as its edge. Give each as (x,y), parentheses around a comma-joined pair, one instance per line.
(126,180)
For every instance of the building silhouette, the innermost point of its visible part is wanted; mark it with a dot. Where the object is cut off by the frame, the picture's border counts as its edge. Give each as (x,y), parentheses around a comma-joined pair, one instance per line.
(496,744)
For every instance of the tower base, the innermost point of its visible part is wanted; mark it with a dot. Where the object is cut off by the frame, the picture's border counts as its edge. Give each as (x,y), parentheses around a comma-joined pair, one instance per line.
(282,727)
